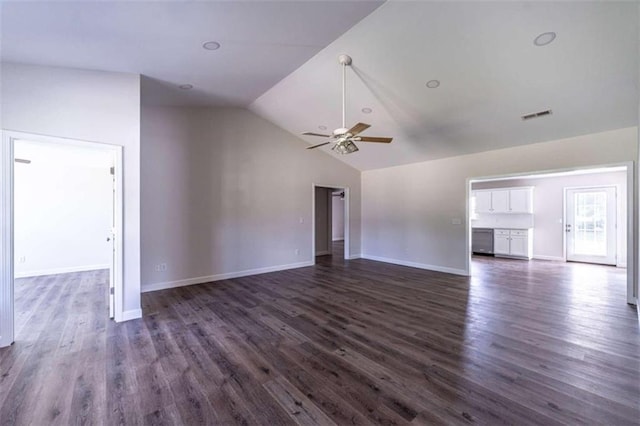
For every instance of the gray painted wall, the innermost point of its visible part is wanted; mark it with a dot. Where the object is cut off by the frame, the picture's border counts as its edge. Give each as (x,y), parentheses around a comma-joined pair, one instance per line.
(337,218)
(92,106)
(225,191)
(410,213)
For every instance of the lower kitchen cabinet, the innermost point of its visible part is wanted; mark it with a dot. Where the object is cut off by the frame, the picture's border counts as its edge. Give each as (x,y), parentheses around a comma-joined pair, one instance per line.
(513,243)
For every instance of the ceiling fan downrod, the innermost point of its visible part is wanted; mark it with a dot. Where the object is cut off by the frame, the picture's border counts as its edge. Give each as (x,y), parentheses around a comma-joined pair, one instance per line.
(344,60)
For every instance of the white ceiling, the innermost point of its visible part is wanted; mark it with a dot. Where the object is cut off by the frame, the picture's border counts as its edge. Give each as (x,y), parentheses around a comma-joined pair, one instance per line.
(491,73)
(262,42)
(482,52)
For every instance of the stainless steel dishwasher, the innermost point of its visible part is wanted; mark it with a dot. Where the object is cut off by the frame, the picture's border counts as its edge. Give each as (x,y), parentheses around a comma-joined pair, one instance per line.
(482,240)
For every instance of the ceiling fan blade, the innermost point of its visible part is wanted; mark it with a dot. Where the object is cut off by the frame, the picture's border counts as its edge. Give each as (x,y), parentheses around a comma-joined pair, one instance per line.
(319,145)
(316,134)
(360,127)
(373,139)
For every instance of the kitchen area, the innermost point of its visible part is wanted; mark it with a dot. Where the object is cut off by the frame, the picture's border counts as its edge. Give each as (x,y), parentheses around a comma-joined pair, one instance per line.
(503,222)
(573,216)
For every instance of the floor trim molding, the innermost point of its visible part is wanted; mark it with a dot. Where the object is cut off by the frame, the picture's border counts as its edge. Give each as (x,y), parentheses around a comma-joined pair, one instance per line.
(218,277)
(552,258)
(55,271)
(436,268)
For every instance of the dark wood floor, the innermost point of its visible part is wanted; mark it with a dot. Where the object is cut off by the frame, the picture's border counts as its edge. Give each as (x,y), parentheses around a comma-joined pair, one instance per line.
(343,342)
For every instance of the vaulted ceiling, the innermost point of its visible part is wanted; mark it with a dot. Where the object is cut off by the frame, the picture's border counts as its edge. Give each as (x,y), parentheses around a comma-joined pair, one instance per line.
(490,73)
(261,42)
(280,60)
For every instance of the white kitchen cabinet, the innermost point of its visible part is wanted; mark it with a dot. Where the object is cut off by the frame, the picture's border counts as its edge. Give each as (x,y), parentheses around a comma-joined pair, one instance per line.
(520,200)
(500,201)
(501,242)
(483,201)
(504,200)
(513,243)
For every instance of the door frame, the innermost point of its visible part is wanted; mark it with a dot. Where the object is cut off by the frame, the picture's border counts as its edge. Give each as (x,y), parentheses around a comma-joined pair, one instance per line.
(347,197)
(565,213)
(7,314)
(633,259)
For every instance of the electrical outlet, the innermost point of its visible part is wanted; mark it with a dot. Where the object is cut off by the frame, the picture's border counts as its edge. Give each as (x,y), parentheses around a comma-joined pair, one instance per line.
(163,267)
(297,252)
(22,259)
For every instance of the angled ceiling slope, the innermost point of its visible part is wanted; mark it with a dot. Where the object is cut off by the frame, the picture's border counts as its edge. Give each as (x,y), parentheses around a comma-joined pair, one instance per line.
(261,42)
(490,73)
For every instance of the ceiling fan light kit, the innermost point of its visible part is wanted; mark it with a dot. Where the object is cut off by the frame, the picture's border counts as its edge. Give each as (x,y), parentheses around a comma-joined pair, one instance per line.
(343,137)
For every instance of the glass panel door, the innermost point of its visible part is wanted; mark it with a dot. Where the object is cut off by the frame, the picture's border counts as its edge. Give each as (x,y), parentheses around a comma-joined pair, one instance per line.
(590,225)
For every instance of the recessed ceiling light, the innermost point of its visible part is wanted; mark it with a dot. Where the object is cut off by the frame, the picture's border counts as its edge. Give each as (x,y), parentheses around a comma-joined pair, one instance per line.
(367,110)
(432,84)
(186,86)
(544,38)
(322,127)
(211,45)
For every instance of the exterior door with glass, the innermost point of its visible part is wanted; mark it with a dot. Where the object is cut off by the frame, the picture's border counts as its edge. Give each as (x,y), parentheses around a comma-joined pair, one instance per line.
(590,225)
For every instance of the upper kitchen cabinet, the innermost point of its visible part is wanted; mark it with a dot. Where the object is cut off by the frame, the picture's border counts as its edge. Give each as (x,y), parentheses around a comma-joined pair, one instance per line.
(520,200)
(504,200)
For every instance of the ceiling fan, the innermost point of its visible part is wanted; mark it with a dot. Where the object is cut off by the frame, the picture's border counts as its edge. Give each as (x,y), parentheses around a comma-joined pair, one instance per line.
(344,138)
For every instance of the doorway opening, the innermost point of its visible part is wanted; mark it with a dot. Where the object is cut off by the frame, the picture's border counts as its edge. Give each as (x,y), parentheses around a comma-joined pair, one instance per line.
(63,207)
(330,213)
(578,215)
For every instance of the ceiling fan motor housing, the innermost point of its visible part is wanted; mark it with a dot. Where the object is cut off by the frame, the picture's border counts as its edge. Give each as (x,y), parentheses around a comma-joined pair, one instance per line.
(344,59)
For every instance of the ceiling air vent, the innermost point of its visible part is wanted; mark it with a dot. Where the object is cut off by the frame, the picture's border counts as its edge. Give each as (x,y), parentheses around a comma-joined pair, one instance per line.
(536,114)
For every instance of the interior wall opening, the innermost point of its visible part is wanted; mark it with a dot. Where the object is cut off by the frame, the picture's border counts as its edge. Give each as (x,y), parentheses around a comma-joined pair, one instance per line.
(63,228)
(62,255)
(567,216)
(330,222)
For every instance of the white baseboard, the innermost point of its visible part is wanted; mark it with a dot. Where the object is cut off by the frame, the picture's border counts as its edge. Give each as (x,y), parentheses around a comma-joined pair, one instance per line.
(354,256)
(55,271)
(436,268)
(553,258)
(130,315)
(323,253)
(337,239)
(218,277)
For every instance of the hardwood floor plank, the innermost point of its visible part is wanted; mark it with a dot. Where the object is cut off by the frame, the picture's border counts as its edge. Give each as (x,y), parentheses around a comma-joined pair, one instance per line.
(343,342)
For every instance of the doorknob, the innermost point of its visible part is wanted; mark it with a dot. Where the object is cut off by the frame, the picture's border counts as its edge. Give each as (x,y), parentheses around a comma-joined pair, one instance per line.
(108,239)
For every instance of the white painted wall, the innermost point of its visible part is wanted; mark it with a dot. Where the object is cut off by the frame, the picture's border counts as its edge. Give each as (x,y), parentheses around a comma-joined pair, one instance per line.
(62,209)
(92,106)
(408,211)
(337,218)
(548,209)
(224,193)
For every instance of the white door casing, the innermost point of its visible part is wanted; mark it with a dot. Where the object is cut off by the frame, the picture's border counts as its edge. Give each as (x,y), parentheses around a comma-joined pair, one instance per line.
(6,226)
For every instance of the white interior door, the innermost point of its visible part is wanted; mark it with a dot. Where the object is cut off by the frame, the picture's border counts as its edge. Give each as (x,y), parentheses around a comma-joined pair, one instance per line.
(590,225)
(111,240)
